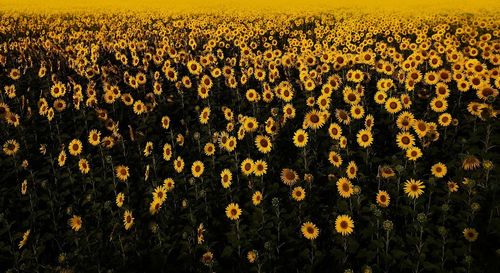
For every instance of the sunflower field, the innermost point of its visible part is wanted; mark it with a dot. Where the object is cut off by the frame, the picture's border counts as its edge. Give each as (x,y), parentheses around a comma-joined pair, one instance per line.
(279,142)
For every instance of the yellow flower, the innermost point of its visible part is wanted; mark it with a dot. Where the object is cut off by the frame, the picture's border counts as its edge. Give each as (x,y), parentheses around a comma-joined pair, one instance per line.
(197,168)
(226,178)
(300,138)
(169,184)
(120,198)
(414,188)
(155,206)
(470,234)
(209,149)
(439,170)
(83,165)
(383,199)
(256,198)
(247,166)
(122,172)
(344,187)
(75,222)
(128,219)
(160,193)
(405,140)
(75,147)
(413,153)
(179,164)
(25,238)
(393,105)
(364,138)
(344,225)
(352,170)
(10,147)
(298,194)
(251,256)
(233,211)
(260,168)
(309,231)
(335,131)
(94,137)
(335,159)
(263,144)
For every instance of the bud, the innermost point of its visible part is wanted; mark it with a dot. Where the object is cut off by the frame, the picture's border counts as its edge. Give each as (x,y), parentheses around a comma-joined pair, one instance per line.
(196,136)
(475,207)
(377,212)
(356,189)
(153,226)
(468,259)
(422,218)
(348,271)
(445,207)
(367,269)
(184,203)
(488,165)
(308,177)
(442,231)
(388,225)
(275,202)
(268,246)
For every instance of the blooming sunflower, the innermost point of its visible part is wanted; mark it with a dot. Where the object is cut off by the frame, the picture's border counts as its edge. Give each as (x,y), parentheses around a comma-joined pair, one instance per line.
(439,170)
(83,165)
(298,194)
(251,256)
(199,231)
(439,104)
(209,149)
(25,239)
(352,170)
(335,159)
(75,147)
(128,219)
(300,138)
(309,231)
(247,166)
(167,151)
(314,119)
(289,176)
(179,164)
(94,137)
(335,131)
(344,187)
(263,144)
(260,167)
(452,186)
(364,138)
(155,206)
(344,224)
(413,153)
(10,147)
(405,140)
(197,168)
(122,172)
(393,105)
(414,188)
(256,198)
(226,178)
(75,222)
(160,193)
(120,198)
(383,199)
(470,234)
(233,211)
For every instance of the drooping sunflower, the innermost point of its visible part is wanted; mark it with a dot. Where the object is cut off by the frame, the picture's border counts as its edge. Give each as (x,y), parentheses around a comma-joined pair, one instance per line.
(344,224)
(309,230)
(247,166)
(197,168)
(300,138)
(298,194)
(405,140)
(470,234)
(263,143)
(233,211)
(335,159)
(289,176)
(364,138)
(122,172)
(226,178)
(470,163)
(128,219)
(344,187)
(75,147)
(414,188)
(383,199)
(256,198)
(75,222)
(439,170)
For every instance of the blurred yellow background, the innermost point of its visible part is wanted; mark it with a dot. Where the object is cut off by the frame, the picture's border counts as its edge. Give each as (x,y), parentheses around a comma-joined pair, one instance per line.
(252,5)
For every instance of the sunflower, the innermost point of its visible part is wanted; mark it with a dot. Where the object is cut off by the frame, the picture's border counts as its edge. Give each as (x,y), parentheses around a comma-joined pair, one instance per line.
(344,224)
(209,149)
(439,104)
(75,222)
(470,163)
(83,165)
(155,206)
(393,105)
(470,234)
(197,168)
(314,119)
(122,172)
(309,231)
(251,256)
(247,166)
(256,198)
(128,219)
(205,115)
(250,124)
(179,164)
(94,137)
(369,121)
(120,198)
(344,187)
(300,138)
(357,111)
(439,170)
(421,128)
(289,111)
(383,199)
(414,188)
(148,149)
(61,158)
(263,144)
(10,147)
(335,159)
(413,153)
(167,151)
(165,122)
(139,107)
(298,194)
(364,138)
(199,231)
(352,170)
(380,97)
(335,131)
(289,176)
(342,116)
(452,186)
(168,184)
(260,167)
(226,178)
(405,140)
(75,147)
(233,211)
(207,258)
(24,187)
